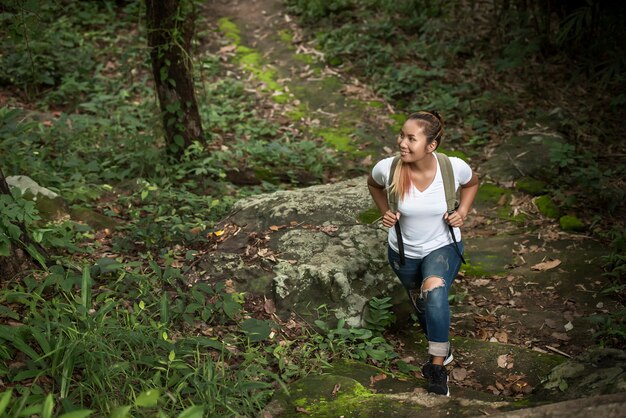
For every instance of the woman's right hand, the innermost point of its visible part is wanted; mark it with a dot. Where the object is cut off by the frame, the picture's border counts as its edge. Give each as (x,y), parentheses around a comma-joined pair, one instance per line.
(390,218)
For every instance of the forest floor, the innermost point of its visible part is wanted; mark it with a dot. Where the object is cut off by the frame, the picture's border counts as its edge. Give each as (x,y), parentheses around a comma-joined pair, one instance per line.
(536,286)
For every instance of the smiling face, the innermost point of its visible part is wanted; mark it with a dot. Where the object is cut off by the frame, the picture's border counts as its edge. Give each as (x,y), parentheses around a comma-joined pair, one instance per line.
(413,143)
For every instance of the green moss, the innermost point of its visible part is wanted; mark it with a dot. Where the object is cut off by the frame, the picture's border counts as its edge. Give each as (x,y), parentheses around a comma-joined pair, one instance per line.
(490,193)
(450,153)
(334,61)
(505,213)
(531,186)
(399,119)
(307,59)
(547,207)
(298,113)
(475,269)
(331,83)
(339,138)
(369,216)
(285,35)
(571,223)
(375,104)
(252,61)
(229,29)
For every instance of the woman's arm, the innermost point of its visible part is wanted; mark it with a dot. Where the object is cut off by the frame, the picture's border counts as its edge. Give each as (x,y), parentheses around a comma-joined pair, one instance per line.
(468,193)
(379,194)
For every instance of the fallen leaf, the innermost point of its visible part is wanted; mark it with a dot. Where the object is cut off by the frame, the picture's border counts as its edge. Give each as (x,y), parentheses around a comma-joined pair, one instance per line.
(336,389)
(502,361)
(275,227)
(227,49)
(219,233)
(377,378)
(502,337)
(550,323)
(302,410)
(561,336)
(568,326)
(269,306)
(493,390)
(546,265)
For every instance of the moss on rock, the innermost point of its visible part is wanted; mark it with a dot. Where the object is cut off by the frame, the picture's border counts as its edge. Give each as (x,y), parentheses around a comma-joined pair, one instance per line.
(229,29)
(369,216)
(546,206)
(490,193)
(339,138)
(571,223)
(505,213)
(531,186)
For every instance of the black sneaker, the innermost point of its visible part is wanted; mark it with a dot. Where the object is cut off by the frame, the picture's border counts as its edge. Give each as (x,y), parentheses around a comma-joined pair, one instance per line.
(426,368)
(438,380)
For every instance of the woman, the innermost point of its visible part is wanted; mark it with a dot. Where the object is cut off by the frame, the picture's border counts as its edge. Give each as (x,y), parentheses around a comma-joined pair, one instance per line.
(431,258)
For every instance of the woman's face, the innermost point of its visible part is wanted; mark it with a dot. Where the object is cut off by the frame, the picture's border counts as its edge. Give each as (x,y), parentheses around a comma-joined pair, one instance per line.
(412,142)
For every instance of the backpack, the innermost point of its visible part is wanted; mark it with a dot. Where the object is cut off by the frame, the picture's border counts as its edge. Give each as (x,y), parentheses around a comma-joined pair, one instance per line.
(452,199)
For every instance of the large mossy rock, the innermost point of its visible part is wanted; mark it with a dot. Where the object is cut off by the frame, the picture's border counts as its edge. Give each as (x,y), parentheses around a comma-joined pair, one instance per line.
(314,251)
(52,207)
(526,156)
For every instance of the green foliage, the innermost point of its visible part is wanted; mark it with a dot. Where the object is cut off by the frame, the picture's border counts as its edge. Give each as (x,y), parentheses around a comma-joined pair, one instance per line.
(610,328)
(119,345)
(46,43)
(356,343)
(379,316)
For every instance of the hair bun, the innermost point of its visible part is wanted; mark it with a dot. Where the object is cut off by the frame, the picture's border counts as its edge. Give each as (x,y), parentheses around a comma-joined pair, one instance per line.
(436,114)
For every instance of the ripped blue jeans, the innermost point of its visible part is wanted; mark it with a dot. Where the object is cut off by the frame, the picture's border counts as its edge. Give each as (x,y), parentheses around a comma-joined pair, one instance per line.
(431,306)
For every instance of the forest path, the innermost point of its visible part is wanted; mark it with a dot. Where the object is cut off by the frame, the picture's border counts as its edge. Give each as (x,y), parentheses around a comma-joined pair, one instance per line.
(528,284)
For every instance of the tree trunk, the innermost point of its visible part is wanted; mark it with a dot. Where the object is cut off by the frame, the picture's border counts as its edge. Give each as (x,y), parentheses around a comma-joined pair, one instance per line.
(18,261)
(170,26)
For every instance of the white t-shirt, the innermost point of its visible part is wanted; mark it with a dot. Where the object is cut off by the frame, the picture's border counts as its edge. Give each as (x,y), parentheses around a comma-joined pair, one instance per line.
(421,213)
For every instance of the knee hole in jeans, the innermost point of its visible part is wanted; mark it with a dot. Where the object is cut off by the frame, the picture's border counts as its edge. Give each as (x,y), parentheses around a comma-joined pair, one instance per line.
(432,282)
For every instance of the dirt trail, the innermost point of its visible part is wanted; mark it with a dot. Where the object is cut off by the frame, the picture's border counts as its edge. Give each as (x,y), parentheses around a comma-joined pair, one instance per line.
(528,284)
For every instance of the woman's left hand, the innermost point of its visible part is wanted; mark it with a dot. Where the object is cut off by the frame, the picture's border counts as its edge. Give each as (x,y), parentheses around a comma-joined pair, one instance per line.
(456,219)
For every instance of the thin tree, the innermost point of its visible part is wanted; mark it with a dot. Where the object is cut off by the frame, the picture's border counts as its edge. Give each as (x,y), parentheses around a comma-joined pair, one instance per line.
(170,25)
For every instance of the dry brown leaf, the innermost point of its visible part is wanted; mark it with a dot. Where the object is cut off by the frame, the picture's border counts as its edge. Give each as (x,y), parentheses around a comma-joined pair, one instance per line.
(561,336)
(377,378)
(546,265)
(302,410)
(269,306)
(502,337)
(550,323)
(227,49)
(493,389)
(503,361)
(336,389)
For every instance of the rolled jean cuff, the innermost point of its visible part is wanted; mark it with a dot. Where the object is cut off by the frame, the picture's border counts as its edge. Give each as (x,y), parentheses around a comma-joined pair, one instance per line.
(438,349)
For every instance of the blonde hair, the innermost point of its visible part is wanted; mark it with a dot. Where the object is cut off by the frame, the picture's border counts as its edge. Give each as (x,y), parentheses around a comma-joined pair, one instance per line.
(432,126)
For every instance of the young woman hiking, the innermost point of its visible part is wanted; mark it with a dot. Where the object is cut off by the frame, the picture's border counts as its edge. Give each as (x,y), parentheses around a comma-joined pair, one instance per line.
(427,257)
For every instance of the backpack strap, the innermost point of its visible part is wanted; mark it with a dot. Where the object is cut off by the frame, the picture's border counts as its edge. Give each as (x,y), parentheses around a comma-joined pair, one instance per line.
(447,173)
(452,195)
(392,199)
